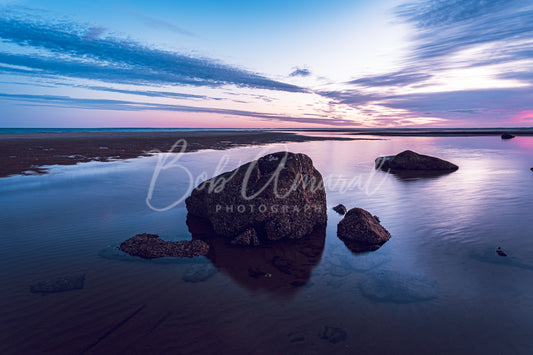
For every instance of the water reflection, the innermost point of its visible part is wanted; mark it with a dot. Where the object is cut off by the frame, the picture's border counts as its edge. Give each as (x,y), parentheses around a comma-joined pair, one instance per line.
(282,267)
(412,175)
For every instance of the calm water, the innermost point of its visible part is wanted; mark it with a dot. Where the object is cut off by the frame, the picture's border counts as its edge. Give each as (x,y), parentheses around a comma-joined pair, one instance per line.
(437,286)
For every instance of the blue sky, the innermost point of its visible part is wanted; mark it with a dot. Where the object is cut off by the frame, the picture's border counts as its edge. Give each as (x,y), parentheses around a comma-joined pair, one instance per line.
(387,63)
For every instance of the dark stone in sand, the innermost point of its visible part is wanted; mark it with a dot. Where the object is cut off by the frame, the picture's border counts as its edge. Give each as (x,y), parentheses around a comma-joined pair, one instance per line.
(332,334)
(149,246)
(199,273)
(287,200)
(409,160)
(61,284)
(507,136)
(500,252)
(395,287)
(340,209)
(361,231)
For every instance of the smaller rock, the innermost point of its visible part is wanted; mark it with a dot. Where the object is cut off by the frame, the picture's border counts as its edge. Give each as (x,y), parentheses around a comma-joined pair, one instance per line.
(500,252)
(149,246)
(332,334)
(247,238)
(507,136)
(61,284)
(409,160)
(362,227)
(340,209)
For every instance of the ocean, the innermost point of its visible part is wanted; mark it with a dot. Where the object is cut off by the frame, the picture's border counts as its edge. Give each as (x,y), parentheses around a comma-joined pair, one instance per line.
(437,286)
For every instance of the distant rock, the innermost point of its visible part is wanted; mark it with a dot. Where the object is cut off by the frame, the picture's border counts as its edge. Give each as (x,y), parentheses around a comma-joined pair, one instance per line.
(507,136)
(340,209)
(409,160)
(61,284)
(149,246)
(361,231)
(531,169)
(279,196)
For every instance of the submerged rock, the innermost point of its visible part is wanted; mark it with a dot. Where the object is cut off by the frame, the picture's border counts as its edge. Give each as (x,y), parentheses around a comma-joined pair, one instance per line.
(409,160)
(395,287)
(361,231)
(279,196)
(333,335)
(340,209)
(61,284)
(199,273)
(149,246)
(507,136)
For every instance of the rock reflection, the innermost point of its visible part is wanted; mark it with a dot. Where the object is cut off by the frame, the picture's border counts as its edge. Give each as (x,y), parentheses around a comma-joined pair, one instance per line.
(281,267)
(411,175)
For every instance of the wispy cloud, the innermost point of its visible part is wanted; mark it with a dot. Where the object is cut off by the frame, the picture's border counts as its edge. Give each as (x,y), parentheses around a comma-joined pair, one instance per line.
(300,72)
(159,23)
(124,105)
(402,78)
(73,50)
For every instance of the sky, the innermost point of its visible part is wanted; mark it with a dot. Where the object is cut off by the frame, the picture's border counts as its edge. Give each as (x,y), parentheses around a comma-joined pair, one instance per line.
(266,64)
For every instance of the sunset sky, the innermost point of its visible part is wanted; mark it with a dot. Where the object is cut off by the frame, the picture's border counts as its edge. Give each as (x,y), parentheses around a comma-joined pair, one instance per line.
(276,64)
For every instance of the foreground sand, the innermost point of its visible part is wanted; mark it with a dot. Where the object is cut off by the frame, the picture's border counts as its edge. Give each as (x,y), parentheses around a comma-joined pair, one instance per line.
(23,153)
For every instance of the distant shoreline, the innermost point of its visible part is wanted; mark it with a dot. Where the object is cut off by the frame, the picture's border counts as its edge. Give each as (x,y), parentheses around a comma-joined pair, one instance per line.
(359,131)
(25,153)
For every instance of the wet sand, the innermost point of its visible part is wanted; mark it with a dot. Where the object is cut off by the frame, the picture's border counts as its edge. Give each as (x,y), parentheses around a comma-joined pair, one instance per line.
(27,153)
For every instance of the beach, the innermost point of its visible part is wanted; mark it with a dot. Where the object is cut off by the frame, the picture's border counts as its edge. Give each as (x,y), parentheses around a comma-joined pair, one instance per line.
(29,152)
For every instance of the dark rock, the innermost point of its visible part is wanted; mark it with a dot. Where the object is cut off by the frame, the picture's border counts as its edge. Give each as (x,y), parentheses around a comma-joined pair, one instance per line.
(409,160)
(199,273)
(61,284)
(531,169)
(279,196)
(500,252)
(149,246)
(332,334)
(247,238)
(394,287)
(340,209)
(361,231)
(507,136)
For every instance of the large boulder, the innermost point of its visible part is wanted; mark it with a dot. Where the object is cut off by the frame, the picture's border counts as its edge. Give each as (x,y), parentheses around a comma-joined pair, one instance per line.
(150,246)
(361,231)
(507,136)
(409,160)
(279,196)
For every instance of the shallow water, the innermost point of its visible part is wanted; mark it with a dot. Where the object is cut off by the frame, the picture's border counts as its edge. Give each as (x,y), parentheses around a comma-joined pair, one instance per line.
(437,286)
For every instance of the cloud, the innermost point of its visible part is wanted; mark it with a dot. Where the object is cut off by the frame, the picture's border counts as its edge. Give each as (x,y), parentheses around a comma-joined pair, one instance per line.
(447,27)
(158,23)
(300,72)
(401,78)
(94,33)
(77,51)
(124,105)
